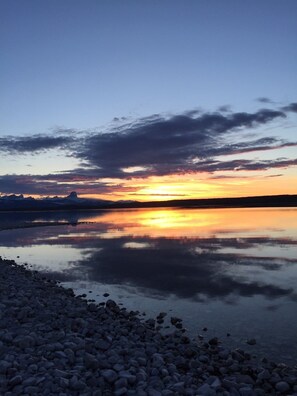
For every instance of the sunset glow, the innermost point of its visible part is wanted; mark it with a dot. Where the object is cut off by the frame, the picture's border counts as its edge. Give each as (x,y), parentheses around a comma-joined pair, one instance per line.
(177,223)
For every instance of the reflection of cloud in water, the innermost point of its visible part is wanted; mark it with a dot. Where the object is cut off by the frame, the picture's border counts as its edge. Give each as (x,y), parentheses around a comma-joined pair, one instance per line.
(197,267)
(172,266)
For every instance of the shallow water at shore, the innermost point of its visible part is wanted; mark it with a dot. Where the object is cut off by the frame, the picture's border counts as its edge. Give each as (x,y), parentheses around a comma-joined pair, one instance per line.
(230,270)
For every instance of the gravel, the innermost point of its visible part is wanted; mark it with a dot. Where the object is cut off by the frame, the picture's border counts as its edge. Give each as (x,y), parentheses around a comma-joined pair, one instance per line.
(54,343)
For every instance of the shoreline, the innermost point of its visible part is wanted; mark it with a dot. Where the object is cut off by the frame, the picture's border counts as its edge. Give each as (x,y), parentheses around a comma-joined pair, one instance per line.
(52,342)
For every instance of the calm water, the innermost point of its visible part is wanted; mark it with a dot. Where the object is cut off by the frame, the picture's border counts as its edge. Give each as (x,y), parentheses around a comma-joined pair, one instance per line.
(230,270)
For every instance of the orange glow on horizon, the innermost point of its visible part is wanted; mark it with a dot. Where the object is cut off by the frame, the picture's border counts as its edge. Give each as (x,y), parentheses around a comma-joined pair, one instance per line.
(164,188)
(190,186)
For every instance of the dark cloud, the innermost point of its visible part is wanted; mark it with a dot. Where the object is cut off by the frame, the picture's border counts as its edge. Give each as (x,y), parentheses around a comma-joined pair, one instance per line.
(278,175)
(193,141)
(188,268)
(242,165)
(291,107)
(173,145)
(263,99)
(34,143)
(58,184)
(224,109)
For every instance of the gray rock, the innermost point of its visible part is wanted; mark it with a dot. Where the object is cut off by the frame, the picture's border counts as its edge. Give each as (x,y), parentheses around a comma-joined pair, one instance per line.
(15,381)
(251,341)
(245,391)
(76,384)
(120,392)
(4,366)
(109,375)
(90,361)
(154,392)
(264,375)
(179,387)
(102,345)
(24,341)
(203,359)
(216,383)
(206,390)
(282,386)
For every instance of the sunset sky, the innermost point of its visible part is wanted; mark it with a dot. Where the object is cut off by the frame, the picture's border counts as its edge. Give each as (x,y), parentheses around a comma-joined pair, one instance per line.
(148,100)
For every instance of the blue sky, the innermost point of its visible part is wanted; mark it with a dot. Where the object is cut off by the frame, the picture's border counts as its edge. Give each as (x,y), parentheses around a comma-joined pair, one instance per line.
(76,65)
(79,64)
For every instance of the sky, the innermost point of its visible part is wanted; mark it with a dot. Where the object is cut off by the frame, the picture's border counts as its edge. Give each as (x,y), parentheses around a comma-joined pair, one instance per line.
(148,100)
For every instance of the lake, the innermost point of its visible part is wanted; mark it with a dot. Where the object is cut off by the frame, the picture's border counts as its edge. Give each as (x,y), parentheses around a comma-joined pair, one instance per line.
(232,271)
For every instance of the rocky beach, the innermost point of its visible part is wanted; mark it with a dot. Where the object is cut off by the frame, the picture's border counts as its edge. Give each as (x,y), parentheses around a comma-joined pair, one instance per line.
(55,343)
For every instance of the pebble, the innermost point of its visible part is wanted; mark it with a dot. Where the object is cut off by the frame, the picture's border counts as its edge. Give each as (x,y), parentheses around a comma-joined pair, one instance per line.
(282,386)
(52,342)
(109,375)
(251,341)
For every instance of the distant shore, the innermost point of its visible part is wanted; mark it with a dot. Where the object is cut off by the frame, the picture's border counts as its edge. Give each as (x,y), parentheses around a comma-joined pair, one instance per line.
(26,204)
(52,342)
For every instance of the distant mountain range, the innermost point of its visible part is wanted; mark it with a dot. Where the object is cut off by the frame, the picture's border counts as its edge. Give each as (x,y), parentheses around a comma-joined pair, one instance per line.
(73,202)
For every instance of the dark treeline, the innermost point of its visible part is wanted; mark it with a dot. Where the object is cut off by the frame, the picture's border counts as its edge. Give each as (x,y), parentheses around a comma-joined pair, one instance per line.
(248,202)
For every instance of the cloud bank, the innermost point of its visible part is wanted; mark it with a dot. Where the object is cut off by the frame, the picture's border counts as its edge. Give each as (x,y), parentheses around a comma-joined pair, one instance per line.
(159,145)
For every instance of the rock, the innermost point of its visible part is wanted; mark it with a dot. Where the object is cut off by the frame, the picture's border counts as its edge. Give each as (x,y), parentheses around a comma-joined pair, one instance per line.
(203,359)
(282,386)
(128,376)
(206,390)
(238,355)
(216,383)
(121,383)
(4,366)
(52,342)
(151,322)
(120,392)
(24,341)
(245,391)
(174,320)
(251,341)
(110,304)
(76,384)
(102,344)
(110,375)
(154,392)
(179,387)
(90,361)
(264,375)
(30,381)
(15,381)
(213,341)
(244,378)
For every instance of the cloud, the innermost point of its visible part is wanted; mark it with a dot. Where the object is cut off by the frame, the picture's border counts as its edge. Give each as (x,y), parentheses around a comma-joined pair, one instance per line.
(166,145)
(58,184)
(190,268)
(291,107)
(34,143)
(242,165)
(193,141)
(263,99)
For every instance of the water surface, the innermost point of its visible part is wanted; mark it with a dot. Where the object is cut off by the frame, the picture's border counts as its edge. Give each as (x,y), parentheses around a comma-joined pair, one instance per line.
(230,270)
